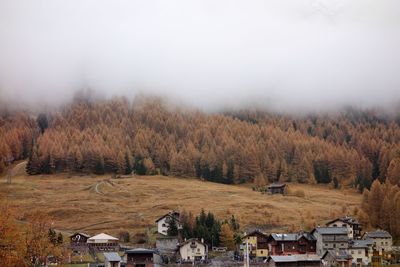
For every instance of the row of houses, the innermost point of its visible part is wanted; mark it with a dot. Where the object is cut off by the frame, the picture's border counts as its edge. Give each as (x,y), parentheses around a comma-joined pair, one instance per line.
(339,243)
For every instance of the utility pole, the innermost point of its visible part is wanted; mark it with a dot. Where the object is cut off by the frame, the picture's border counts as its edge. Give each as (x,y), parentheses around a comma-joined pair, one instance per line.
(9,160)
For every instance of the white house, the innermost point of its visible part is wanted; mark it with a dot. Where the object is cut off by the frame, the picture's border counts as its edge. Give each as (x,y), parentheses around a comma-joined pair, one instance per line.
(361,251)
(193,250)
(352,225)
(164,221)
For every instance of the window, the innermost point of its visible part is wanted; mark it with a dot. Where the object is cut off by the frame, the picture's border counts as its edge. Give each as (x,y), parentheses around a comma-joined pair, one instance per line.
(359,252)
(386,243)
(198,250)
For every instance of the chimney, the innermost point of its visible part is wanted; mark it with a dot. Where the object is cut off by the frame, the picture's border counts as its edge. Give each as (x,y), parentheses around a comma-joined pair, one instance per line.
(202,240)
(185,239)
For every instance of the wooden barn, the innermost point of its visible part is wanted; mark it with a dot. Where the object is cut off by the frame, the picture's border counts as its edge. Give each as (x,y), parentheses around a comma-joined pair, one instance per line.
(276,188)
(78,241)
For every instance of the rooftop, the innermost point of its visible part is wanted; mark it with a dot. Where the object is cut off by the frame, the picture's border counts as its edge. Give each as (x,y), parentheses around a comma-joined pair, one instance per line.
(346,219)
(139,251)
(378,234)
(276,185)
(338,255)
(102,236)
(112,256)
(295,258)
(331,230)
(361,243)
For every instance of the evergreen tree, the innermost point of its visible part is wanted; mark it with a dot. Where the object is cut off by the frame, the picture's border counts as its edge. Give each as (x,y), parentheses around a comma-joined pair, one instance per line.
(172,228)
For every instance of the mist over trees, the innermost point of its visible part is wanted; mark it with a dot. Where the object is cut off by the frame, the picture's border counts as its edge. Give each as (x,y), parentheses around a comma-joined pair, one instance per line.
(148,137)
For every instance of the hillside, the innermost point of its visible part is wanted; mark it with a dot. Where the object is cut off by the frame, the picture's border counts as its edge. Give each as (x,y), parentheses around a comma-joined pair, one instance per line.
(148,136)
(96,204)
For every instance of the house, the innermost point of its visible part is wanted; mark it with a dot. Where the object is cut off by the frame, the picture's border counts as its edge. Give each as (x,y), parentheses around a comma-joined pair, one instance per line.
(337,258)
(276,188)
(112,259)
(193,250)
(361,251)
(289,244)
(258,244)
(382,240)
(164,221)
(78,241)
(139,257)
(298,260)
(103,242)
(352,225)
(330,238)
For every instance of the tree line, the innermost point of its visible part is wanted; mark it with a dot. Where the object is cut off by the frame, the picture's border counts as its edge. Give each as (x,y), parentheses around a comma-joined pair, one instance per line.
(149,137)
(381,207)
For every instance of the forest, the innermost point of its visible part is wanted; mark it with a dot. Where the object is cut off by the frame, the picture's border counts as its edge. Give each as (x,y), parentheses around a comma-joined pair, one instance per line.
(148,136)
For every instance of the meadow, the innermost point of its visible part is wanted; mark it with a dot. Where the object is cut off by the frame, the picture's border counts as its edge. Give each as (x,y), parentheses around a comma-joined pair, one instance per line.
(96,204)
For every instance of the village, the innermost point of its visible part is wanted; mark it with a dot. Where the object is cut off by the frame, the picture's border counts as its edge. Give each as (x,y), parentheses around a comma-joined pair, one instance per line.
(340,242)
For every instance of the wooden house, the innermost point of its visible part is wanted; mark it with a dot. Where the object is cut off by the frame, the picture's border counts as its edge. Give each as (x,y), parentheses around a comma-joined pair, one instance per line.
(139,257)
(78,241)
(276,188)
(290,244)
(103,242)
(257,241)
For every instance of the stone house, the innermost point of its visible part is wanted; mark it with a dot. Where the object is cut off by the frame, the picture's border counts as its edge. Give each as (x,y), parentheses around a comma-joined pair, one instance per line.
(330,238)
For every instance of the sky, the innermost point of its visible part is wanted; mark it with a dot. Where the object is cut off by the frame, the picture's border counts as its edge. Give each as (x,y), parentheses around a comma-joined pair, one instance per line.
(211,54)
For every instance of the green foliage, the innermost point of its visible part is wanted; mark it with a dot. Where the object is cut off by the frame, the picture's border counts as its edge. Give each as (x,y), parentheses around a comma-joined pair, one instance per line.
(173,228)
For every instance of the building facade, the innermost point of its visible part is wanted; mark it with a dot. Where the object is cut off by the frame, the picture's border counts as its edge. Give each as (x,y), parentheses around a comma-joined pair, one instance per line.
(258,243)
(383,241)
(352,225)
(164,221)
(289,244)
(330,238)
(193,250)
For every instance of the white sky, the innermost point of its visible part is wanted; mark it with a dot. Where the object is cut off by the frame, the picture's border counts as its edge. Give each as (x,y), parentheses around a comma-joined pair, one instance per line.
(285,54)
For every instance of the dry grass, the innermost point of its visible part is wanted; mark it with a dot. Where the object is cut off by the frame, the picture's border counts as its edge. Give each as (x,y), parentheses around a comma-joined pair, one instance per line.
(133,204)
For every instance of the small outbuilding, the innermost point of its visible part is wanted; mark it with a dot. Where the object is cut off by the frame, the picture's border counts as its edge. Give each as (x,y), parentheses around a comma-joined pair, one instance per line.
(139,257)
(276,188)
(112,259)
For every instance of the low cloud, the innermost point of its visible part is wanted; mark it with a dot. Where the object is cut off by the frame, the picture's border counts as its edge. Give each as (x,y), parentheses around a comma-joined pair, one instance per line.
(286,55)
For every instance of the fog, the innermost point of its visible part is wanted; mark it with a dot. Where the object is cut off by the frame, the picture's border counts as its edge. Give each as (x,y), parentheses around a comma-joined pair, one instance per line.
(284,54)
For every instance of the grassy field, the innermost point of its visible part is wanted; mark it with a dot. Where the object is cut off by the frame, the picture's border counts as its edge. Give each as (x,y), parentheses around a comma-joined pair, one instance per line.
(101,204)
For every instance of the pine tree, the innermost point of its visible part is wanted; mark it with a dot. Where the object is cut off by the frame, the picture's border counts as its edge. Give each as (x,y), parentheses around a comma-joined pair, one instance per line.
(172,228)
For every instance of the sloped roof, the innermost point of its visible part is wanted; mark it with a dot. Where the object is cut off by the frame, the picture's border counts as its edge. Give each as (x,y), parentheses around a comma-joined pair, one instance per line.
(330,230)
(345,219)
(276,185)
(190,240)
(139,251)
(172,214)
(338,255)
(378,234)
(82,234)
(295,258)
(361,243)
(112,256)
(103,236)
(292,237)
(255,232)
